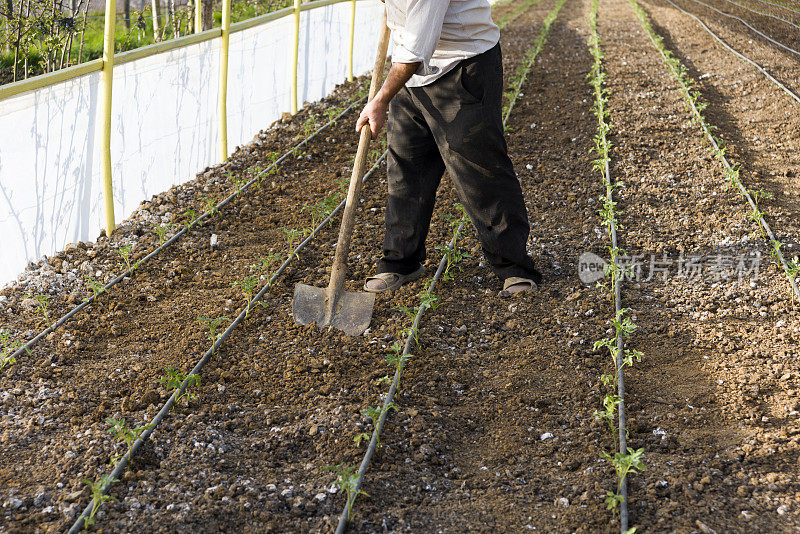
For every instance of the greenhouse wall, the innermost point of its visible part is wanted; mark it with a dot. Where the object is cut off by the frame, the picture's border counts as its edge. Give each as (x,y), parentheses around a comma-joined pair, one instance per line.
(164,124)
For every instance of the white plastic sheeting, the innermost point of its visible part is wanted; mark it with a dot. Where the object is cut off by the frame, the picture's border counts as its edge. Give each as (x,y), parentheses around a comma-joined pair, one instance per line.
(164,124)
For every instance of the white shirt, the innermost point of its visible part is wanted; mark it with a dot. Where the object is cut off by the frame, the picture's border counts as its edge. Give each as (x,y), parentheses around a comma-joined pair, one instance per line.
(438,34)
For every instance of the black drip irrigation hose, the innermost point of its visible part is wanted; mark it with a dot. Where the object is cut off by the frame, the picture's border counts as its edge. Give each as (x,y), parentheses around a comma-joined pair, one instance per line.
(413,335)
(617,290)
(623,437)
(620,363)
(410,340)
(764,35)
(165,409)
(763,14)
(738,54)
(130,272)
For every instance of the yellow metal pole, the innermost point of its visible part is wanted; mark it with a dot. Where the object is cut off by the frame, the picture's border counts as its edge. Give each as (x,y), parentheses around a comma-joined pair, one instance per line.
(352,40)
(223,79)
(296,52)
(198,16)
(105,111)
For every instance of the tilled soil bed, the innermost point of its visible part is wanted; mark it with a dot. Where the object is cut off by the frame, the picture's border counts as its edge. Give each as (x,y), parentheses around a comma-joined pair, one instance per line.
(714,400)
(494,428)
(755,117)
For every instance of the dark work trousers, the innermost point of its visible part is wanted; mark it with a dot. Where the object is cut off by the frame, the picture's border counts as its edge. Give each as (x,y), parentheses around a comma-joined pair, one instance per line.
(455,124)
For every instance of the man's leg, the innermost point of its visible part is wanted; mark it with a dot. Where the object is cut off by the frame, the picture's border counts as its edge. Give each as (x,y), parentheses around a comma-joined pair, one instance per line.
(414,169)
(464,110)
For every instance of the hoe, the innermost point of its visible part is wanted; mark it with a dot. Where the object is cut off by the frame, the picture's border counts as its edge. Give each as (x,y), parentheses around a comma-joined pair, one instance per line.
(348,311)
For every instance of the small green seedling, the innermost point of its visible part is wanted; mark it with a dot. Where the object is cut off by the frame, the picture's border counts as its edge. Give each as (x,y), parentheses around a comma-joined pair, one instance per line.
(331,114)
(409,311)
(363,436)
(623,465)
(271,168)
(610,403)
(212,325)
(331,203)
(240,182)
(125,254)
(267,265)
(428,299)
(454,254)
(161,231)
(455,257)
(794,268)
(343,183)
(8,346)
(175,379)
(310,125)
(42,306)
(347,480)
(319,211)
(248,286)
(404,333)
(375,413)
(98,497)
(95,286)
(122,432)
(454,221)
(210,206)
(394,356)
(293,238)
(258,174)
(191,215)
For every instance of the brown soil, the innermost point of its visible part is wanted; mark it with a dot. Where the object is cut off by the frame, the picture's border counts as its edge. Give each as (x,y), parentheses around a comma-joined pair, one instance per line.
(754,115)
(494,429)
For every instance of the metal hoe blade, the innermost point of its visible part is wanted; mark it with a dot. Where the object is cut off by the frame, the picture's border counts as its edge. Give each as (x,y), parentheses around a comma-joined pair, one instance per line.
(351,315)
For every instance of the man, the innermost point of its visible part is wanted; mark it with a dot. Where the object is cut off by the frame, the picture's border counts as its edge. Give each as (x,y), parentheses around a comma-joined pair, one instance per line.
(443,96)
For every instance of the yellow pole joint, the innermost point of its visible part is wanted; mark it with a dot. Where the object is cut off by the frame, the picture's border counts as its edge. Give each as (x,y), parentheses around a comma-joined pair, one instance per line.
(296,52)
(105,113)
(352,41)
(223,79)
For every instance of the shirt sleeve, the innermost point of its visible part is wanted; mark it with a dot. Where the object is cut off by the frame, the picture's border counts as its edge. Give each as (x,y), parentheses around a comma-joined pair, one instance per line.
(417,40)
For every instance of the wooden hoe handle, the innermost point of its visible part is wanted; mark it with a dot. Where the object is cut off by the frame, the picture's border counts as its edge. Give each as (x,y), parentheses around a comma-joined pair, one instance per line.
(339,270)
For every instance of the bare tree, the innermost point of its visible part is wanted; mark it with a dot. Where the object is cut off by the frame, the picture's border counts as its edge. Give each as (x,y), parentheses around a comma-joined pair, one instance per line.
(156,5)
(18,40)
(8,29)
(208,14)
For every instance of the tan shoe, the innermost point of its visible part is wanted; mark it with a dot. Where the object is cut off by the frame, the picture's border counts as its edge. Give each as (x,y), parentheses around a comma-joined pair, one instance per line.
(515,285)
(380,283)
